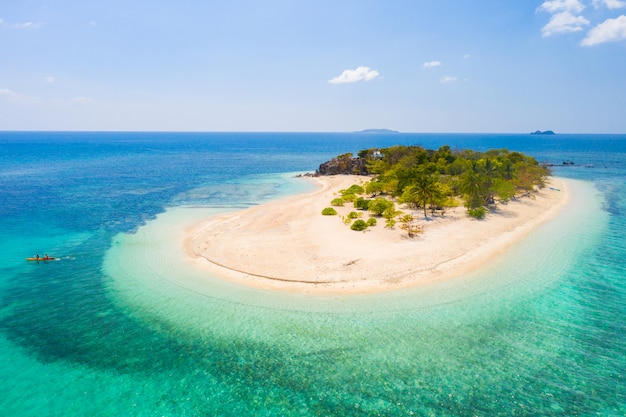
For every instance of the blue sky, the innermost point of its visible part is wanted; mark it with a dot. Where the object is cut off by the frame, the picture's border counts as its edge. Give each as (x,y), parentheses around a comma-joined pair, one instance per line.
(413,66)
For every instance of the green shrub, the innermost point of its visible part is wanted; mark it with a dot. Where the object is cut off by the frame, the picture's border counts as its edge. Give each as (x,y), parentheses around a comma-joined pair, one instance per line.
(337,202)
(378,206)
(359,225)
(353,215)
(329,211)
(354,189)
(348,197)
(478,212)
(361,203)
(371,221)
(374,187)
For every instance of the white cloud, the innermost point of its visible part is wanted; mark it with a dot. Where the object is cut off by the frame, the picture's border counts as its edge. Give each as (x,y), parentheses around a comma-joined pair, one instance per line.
(49,79)
(447,79)
(24,25)
(557,6)
(5,92)
(611,30)
(14,97)
(352,76)
(564,22)
(610,4)
(431,64)
(18,98)
(466,56)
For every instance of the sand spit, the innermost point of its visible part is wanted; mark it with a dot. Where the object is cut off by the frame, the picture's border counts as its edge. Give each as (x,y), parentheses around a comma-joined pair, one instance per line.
(287,244)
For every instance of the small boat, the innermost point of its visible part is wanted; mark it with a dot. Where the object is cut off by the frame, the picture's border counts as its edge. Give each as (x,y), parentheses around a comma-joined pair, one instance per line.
(42,258)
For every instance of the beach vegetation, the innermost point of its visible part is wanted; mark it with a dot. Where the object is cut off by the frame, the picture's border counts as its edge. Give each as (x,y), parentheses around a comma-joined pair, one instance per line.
(378,205)
(359,225)
(329,211)
(434,181)
(390,215)
(448,203)
(350,194)
(337,202)
(361,203)
(353,215)
(503,190)
(374,187)
(477,213)
(371,221)
(409,224)
(353,189)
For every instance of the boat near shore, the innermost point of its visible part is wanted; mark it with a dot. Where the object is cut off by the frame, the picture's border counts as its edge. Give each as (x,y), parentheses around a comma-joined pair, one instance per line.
(42,258)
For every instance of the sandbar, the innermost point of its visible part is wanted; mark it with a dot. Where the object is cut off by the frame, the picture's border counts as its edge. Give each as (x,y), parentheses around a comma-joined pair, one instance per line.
(289,245)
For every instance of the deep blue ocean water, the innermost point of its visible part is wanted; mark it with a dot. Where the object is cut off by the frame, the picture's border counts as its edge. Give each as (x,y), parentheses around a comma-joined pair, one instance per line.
(102,333)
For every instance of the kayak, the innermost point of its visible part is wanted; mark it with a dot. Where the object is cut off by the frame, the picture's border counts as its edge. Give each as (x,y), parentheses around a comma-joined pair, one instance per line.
(49,258)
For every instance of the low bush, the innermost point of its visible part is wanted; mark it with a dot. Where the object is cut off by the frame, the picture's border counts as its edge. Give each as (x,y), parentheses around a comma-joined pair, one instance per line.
(353,215)
(354,189)
(371,221)
(329,211)
(348,197)
(378,206)
(478,212)
(337,202)
(359,225)
(361,203)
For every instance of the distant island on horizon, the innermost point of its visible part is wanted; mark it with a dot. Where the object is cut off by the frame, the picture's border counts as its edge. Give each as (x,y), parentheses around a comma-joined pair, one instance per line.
(377,131)
(542,132)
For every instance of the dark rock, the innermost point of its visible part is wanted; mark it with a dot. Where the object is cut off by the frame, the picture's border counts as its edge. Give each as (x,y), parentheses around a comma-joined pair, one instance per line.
(343,165)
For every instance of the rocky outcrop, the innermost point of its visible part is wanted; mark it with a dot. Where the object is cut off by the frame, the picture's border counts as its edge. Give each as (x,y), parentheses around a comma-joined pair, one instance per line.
(343,165)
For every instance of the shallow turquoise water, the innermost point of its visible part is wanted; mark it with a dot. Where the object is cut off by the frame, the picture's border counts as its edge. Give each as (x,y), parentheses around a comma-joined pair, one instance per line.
(120,326)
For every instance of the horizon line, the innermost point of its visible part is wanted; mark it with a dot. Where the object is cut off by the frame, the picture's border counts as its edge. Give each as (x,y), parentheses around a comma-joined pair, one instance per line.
(364,131)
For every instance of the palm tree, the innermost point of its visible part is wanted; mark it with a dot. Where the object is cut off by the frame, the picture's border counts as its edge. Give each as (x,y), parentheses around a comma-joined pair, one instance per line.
(472,185)
(425,191)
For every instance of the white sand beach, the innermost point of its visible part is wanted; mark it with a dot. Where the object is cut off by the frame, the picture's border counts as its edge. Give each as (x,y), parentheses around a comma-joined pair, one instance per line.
(289,245)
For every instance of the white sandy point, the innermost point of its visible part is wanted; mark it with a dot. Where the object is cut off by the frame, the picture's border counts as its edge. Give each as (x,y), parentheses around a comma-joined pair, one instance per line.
(289,245)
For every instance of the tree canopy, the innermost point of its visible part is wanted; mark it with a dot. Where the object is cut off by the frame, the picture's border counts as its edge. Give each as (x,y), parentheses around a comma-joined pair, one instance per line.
(435,179)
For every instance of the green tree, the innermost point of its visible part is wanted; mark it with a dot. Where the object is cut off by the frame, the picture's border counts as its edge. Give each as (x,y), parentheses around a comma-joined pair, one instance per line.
(423,192)
(378,205)
(503,189)
(374,187)
(473,186)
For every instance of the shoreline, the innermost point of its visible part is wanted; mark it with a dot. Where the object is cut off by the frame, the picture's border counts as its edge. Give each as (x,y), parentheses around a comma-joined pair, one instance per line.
(289,245)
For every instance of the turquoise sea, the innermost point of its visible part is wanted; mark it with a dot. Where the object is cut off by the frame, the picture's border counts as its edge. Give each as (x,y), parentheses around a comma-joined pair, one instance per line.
(124,325)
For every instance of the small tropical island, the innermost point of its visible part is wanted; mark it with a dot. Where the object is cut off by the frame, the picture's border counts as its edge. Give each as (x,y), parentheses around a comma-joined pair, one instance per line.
(542,132)
(381,220)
